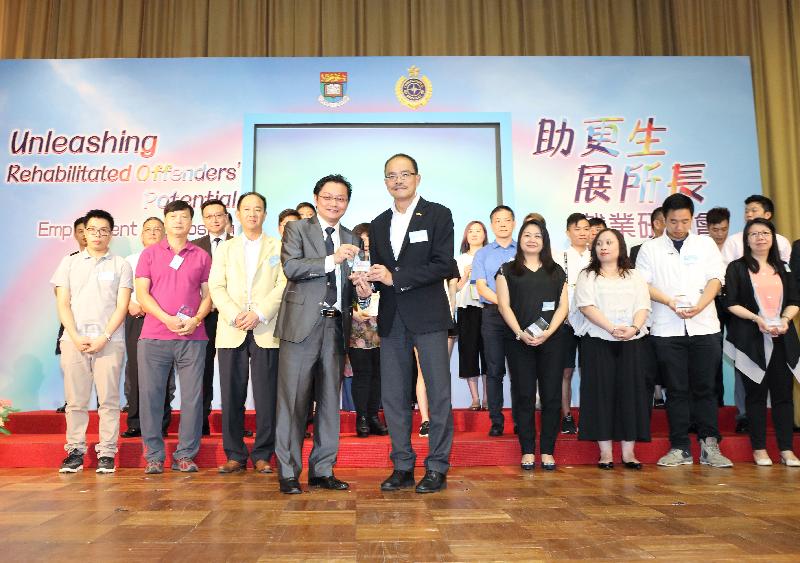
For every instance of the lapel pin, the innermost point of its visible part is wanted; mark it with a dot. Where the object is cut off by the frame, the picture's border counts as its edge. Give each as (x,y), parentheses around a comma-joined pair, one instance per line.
(418,213)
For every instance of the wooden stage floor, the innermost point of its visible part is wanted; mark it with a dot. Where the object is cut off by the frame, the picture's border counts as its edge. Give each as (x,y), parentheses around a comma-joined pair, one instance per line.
(486,514)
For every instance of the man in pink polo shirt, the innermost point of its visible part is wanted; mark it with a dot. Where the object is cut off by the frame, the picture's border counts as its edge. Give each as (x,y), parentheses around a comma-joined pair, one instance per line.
(172,288)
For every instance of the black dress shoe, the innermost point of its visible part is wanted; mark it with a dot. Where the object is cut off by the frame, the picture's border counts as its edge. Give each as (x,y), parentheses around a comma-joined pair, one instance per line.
(248,434)
(125,408)
(742,426)
(605,465)
(432,482)
(362,427)
(377,427)
(131,433)
(330,482)
(549,466)
(495,431)
(62,409)
(398,480)
(290,486)
(632,465)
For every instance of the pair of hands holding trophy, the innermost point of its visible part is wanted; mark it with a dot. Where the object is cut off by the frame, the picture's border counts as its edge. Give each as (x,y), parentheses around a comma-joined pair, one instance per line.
(363,273)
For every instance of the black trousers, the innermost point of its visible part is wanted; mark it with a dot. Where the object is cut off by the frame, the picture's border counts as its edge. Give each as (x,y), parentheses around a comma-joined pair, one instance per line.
(529,365)
(133,328)
(723,315)
(366,383)
(210,322)
(689,367)
(778,381)
(397,380)
(494,332)
(615,398)
(471,356)
(236,366)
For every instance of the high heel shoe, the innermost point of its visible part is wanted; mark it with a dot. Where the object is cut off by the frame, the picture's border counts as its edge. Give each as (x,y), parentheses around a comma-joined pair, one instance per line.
(763,461)
(528,464)
(791,462)
(605,465)
(632,465)
(475,406)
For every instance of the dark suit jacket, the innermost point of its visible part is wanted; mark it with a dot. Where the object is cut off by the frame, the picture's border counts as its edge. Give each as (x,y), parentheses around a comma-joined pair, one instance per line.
(418,294)
(303,257)
(205,242)
(744,335)
(794,261)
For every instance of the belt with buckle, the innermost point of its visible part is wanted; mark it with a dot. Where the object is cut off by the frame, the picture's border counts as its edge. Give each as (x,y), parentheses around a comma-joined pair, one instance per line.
(330,312)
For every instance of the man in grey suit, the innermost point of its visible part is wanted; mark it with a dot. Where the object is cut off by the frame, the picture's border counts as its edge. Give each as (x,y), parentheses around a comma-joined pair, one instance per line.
(313,326)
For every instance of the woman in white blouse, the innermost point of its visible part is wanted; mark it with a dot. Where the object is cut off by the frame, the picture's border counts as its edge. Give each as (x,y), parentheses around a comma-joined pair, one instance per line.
(614,298)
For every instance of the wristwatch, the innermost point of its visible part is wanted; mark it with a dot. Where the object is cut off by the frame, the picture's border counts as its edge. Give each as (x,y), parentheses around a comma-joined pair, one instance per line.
(638,330)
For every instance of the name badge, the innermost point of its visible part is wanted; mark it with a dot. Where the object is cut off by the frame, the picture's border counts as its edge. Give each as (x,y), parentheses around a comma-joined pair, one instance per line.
(417,236)
(176,262)
(690,259)
(105,276)
(548,306)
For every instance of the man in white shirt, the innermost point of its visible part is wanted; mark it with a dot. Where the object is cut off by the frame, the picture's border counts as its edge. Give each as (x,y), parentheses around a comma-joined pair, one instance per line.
(755,206)
(573,260)
(685,272)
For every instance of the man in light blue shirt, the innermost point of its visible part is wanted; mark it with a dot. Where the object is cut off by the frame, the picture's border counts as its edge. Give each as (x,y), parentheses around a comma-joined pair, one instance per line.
(484,269)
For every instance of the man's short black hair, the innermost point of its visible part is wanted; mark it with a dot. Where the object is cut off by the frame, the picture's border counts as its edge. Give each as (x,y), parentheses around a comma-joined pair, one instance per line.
(208,202)
(717,215)
(178,205)
(575,218)
(763,201)
(337,178)
(245,194)
(287,213)
(676,202)
(655,213)
(79,221)
(500,208)
(303,204)
(597,222)
(100,214)
(402,155)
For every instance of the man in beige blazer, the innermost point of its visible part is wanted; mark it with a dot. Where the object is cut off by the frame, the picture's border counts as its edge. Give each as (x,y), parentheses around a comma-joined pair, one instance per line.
(246,285)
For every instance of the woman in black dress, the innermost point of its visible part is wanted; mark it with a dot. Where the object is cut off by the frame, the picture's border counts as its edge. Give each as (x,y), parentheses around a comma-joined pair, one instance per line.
(532,298)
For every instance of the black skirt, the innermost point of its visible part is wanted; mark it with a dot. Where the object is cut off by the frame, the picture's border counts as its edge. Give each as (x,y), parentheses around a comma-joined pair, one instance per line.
(615,396)
(471,362)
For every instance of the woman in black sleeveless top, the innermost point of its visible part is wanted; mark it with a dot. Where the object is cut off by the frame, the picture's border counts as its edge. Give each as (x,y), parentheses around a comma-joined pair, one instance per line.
(532,290)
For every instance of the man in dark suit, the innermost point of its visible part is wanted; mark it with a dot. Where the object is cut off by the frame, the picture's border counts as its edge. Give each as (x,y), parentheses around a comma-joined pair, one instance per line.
(215,218)
(411,248)
(314,326)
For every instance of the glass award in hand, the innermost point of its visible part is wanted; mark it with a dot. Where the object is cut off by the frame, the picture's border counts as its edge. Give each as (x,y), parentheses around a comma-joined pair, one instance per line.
(537,328)
(184,313)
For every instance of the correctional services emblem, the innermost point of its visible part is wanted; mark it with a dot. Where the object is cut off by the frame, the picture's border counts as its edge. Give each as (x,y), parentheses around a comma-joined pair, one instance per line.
(333,89)
(413,91)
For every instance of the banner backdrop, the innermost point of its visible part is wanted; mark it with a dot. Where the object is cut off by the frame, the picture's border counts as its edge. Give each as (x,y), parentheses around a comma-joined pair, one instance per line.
(605,136)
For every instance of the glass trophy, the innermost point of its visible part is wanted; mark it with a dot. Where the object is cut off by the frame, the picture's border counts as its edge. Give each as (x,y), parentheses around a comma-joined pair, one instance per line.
(91,330)
(361,262)
(537,328)
(184,313)
(682,301)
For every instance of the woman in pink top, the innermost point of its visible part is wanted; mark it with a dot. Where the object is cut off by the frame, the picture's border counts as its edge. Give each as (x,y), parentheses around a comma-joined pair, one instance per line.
(763,298)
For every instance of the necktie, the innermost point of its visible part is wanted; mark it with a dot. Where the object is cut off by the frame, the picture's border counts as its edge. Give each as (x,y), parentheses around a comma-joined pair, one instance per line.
(330,295)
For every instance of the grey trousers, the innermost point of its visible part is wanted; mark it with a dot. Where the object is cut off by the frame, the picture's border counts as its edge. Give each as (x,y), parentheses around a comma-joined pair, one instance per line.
(157,358)
(296,374)
(397,391)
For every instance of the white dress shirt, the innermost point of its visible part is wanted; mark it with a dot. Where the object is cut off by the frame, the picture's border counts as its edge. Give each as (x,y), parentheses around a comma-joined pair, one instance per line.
(681,273)
(399,226)
(733,249)
(330,263)
(222,238)
(573,263)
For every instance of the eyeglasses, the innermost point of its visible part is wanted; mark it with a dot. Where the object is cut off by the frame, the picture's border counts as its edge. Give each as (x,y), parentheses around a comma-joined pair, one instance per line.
(103,232)
(403,176)
(330,198)
(217,216)
(153,230)
(760,234)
